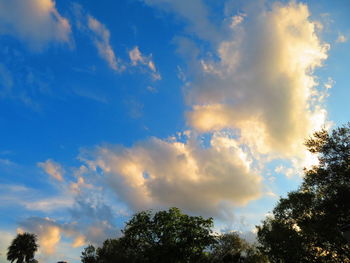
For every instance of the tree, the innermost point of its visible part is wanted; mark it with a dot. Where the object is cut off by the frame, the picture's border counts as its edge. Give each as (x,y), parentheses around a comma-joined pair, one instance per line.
(23,248)
(231,248)
(89,255)
(169,236)
(305,226)
(166,236)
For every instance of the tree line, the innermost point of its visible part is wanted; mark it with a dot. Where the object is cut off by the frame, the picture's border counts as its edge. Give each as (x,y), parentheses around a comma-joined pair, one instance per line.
(308,225)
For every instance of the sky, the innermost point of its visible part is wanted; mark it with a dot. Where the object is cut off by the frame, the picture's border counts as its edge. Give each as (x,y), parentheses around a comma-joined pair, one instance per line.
(112,107)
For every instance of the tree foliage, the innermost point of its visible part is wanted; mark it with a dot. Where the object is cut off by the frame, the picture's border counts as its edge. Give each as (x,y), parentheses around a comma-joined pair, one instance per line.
(89,255)
(172,237)
(305,226)
(167,236)
(230,247)
(23,248)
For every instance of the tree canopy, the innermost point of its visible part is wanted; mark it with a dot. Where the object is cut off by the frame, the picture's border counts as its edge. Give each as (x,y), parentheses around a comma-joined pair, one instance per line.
(306,225)
(166,236)
(23,248)
(171,237)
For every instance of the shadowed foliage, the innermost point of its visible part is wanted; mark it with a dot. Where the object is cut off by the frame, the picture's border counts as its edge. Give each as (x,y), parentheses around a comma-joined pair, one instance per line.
(171,237)
(22,248)
(305,226)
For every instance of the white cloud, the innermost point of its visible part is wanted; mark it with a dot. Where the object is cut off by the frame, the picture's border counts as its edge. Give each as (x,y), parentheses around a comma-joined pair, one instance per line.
(101,38)
(263,85)
(52,168)
(36,22)
(163,173)
(137,58)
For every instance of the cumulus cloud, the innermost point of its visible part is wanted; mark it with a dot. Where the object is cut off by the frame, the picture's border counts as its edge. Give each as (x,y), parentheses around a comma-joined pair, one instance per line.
(48,232)
(137,58)
(186,174)
(37,22)
(52,168)
(262,84)
(91,221)
(101,38)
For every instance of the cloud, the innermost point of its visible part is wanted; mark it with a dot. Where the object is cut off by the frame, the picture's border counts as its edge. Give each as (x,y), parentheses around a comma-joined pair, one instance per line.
(262,83)
(101,39)
(137,58)
(36,22)
(49,204)
(162,173)
(341,38)
(6,238)
(48,232)
(52,168)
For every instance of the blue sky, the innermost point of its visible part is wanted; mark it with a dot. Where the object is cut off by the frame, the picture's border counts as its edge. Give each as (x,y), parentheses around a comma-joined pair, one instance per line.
(114,107)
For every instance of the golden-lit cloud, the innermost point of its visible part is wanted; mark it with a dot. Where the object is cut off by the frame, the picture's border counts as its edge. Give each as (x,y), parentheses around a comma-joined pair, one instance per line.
(37,22)
(264,85)
(185,174)
(341,38)
(79,241)
(52,168)
(48,232)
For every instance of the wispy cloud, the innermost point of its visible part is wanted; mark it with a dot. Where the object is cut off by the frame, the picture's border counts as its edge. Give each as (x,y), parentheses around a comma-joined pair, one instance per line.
(101,38)
(137,58)
(52,168)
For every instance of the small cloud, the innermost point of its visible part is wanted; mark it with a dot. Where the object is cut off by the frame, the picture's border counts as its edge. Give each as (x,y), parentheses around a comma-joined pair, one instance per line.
(341,38)
(52,168)
(287,171)
(271,194)
(236,20)
(152,89)
(79,241)
(137,58)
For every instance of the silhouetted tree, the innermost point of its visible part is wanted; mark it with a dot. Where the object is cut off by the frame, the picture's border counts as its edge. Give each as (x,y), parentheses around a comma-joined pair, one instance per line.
(23,248)
(305,226)
(231,248)
(89,255)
